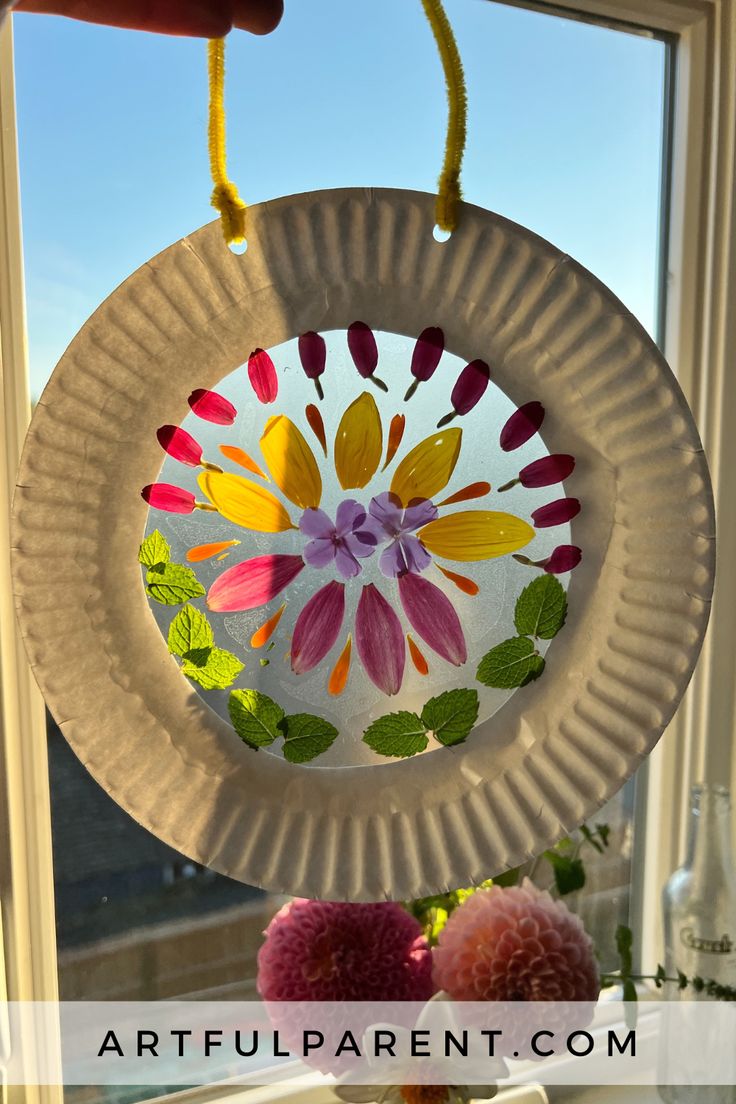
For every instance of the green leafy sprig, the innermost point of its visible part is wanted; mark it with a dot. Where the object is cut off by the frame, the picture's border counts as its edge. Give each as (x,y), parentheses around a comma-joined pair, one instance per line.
(540,613)
(170,584)
(259,721)
(449,717)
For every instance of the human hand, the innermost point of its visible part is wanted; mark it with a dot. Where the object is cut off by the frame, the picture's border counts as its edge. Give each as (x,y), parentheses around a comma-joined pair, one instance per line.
(205,18)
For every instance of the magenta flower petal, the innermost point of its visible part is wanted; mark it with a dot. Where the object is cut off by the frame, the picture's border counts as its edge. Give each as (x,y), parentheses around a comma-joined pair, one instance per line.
(433,616)
(363,348)
(427,353)
(164,496)
(564,558)
(470,386)
(253,583)
(521,426)
(180,444)
(313,354)
(262,376)
(212,407)
(379,640)
(548,470)
(317,627)
(556,513)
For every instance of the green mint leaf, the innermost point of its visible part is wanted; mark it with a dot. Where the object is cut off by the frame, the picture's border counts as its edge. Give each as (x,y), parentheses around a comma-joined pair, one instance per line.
(397,734)
(154,551)
(511,664)
(219,671)
(451,715)
(624,943)
(306,737)
(508,878)
(256,718)
(189,632)
(569,873)
(541,608)
(174,585)
(198,657)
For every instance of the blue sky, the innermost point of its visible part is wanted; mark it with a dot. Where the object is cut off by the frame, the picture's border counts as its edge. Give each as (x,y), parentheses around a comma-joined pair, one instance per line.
(564,136)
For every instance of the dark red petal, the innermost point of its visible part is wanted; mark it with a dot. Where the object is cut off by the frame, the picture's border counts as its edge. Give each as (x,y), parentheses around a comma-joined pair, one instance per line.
(433,616)
(363,348)
(427,353)
(212,407)
(470,386)
(165,496)
(556,513)
(262,375)
(379,640)
(564,558)
(548,470)
(312,353)
(180,444)
(317,627)
(521,426)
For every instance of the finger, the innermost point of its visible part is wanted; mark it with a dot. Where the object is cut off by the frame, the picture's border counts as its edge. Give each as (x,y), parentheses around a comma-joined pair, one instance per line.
(257,16)
(205,18)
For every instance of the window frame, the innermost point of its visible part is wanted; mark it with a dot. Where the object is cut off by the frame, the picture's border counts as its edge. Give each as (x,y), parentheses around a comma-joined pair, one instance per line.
(699,340)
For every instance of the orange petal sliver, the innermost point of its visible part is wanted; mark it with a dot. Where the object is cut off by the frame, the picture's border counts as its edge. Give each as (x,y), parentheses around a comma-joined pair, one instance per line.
(239,456)
(263,635)
(416,656)
(316,425)
(339,676)
(473,490)
(395,433)
(207,551)
(462,582)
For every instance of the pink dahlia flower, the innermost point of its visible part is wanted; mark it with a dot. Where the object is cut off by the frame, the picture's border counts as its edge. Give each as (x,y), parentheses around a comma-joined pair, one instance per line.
(334,951)
(515,944)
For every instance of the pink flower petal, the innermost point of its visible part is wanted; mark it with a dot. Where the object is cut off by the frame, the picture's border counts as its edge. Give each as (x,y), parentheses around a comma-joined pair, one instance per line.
(564,558)
(253,583)
(548,470)
(427,353)
(363,348)
(521,426)
(164,496)
(556,513)
(212,407)
(313,354)
(379,640)
(433,616)
(317,627)
(180,444)
(262,375)
(470,387)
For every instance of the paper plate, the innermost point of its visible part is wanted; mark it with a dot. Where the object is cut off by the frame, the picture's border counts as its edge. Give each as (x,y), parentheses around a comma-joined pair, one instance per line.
(528,692)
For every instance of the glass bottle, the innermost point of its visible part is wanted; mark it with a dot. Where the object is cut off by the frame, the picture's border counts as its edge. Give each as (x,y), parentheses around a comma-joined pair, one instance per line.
(699,906)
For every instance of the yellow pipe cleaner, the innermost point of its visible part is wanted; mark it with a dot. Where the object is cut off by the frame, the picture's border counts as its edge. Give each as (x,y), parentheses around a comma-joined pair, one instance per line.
(225,198)
(457,102)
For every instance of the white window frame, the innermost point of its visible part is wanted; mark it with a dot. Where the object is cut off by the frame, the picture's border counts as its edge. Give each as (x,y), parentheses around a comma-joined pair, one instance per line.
(700,343)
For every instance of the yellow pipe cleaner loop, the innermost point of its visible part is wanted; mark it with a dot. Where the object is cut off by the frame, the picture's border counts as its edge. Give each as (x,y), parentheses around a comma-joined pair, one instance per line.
(225,198)
(457,101)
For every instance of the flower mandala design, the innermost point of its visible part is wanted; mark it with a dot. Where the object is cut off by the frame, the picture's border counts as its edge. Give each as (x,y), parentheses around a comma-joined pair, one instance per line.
(409,526)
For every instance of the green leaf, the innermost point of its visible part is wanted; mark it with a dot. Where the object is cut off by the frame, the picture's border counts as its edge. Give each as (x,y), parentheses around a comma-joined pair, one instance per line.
(508,878)
(397,734)
(451,715)
(569,873)
(174,585)
(660,977)
(603,833)
(511,664)
(589,837)
(256,717)
(624,943)
(190,632)
(219,671)
(154,551)
(198,656)
(541,608)
(306,737)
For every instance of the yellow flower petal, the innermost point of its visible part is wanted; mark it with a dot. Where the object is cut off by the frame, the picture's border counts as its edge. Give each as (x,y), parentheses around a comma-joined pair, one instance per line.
(246,503)
(475,535)
(427,469)
(291,462)
(359,443)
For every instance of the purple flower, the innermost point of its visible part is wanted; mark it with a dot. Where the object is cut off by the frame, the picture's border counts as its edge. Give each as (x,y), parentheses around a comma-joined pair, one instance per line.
(395,524)
(349,538)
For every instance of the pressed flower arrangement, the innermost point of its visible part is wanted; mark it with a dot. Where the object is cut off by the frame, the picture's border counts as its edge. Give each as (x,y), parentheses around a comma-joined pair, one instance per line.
(351,554)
